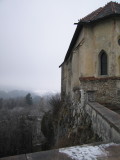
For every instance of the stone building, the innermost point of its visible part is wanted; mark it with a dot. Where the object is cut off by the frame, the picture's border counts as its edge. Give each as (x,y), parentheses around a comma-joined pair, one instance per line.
(92,62)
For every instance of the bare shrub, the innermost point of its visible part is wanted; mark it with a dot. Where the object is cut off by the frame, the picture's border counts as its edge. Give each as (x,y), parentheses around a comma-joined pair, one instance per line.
(56,104)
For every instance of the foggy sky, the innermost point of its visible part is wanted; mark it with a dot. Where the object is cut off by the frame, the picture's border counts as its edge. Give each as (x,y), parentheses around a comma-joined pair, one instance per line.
(34,38)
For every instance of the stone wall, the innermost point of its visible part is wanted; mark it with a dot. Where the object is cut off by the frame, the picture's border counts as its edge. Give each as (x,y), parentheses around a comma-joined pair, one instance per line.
(107,90)
(105,122)
(74,126)
(84,116)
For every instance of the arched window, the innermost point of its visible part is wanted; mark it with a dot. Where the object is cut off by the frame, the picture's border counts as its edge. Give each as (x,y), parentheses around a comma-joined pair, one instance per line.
(103,63)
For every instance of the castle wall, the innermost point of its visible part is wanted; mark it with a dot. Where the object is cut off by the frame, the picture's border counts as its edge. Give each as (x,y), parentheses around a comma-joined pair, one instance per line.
(84,60)
(107,90)
(70,69)
(100,36)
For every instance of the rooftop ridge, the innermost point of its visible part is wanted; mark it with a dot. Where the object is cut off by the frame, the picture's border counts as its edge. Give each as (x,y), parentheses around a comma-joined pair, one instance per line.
(112,2)
(93,15)
(90,13)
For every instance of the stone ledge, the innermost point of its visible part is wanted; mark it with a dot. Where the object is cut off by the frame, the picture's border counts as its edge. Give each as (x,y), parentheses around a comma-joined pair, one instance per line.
(111,117)
(98,78)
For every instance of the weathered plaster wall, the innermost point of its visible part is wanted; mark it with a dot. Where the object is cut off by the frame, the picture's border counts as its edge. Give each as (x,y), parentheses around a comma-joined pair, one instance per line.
(99,36)
(63,80)
(84,59)
(71,69)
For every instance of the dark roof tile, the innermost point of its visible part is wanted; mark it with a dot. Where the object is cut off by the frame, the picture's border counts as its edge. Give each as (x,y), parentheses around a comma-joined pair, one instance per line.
(102,12)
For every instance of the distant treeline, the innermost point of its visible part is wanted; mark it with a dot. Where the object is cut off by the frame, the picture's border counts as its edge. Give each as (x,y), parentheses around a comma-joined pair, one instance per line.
(14,94)
(20,120)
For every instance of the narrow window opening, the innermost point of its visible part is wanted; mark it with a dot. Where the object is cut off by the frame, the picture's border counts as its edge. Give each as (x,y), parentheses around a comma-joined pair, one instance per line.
(103,63)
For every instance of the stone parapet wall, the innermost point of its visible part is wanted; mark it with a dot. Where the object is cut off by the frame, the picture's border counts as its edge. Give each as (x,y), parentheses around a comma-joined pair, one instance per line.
(107,89)
(105,122)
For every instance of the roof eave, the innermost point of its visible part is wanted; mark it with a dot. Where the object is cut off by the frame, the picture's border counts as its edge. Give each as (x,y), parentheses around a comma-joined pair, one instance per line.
(75,36)
(78,30)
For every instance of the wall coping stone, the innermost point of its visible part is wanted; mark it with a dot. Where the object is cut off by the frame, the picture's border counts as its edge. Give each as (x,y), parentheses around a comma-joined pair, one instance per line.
(110,116)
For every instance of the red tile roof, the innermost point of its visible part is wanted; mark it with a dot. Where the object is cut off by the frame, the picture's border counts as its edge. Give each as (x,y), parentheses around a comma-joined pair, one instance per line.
(109,10)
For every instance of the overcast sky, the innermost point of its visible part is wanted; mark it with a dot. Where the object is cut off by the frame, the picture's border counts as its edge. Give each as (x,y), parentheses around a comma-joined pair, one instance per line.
(34,38)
